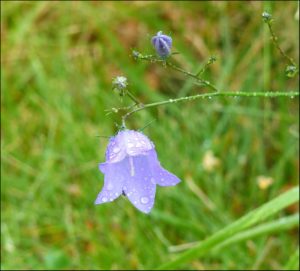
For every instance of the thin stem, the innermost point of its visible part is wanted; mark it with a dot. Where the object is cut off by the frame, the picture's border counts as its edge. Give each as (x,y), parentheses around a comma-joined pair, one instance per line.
(133,98)
(275,42)
(196,76)
(211,60)
(290,94)
(116,110)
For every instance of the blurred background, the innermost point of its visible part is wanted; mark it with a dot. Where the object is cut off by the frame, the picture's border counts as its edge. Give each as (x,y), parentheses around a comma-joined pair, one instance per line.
(232,154)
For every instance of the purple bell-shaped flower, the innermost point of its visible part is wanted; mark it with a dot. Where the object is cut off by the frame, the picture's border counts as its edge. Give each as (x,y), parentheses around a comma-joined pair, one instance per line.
(132,168)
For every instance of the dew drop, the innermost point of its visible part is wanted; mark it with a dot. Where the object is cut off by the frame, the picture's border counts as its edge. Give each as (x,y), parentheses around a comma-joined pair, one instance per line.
(116,149)
(152,180)
(144,200)
(104,199)
(110,186)
(116,194)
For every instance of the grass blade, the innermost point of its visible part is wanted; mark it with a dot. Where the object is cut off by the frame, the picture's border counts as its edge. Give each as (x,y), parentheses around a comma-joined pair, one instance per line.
(241,224)
(293,262)
(284,223)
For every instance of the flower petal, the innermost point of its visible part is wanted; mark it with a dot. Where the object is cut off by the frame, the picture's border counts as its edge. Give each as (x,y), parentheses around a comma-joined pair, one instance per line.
(162,44)
(167,39)
(113,181)
(127,142)
(161,176)
(138,186)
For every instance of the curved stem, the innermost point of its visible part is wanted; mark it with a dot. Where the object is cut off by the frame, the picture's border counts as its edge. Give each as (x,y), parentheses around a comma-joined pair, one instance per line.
(290,94)
(131,96)
(274,39)
(196,76)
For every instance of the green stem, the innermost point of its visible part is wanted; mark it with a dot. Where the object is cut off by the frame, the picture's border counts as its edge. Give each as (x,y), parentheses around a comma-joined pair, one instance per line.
(133,98)
(211,60)
(274,40)
(196,76)
(291,94)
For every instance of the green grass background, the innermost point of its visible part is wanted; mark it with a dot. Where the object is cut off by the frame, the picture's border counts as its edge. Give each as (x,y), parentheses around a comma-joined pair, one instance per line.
(57,63)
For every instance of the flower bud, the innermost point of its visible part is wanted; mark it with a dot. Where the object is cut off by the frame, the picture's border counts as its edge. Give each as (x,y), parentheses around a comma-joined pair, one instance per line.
(290,71)
(162,44)
(120,82)
(266,16)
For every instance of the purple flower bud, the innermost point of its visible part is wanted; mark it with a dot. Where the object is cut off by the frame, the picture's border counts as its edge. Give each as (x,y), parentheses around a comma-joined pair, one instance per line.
(162,44)
(132,168)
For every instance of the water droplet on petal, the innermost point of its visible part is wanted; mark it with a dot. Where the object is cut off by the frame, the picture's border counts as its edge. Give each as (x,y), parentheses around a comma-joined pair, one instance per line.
(153,181)
(117,194)
(144,200)
(109,186)
(116,149)
(104,199)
